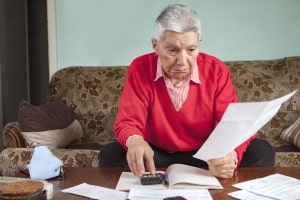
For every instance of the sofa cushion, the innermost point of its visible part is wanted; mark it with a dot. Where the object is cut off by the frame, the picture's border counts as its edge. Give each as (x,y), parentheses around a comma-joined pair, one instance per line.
(292,134)
(51,115)
(51,124)
(58,138)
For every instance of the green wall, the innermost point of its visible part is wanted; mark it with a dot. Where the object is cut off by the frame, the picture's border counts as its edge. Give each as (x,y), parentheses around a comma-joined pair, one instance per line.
(113,32)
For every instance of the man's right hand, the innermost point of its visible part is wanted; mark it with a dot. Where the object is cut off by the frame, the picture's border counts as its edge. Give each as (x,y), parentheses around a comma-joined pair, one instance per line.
(139,154)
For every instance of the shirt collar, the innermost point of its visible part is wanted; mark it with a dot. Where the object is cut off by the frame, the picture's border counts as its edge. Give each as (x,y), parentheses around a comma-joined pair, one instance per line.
(194,75)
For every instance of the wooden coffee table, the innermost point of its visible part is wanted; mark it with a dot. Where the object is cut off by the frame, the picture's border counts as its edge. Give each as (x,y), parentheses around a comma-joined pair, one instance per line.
(108,177)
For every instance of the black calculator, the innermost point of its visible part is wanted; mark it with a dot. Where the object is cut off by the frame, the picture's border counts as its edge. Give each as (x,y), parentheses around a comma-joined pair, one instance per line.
(152,179)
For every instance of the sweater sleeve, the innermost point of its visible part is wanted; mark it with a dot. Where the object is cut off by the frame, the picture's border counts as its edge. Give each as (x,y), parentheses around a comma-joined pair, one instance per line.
(240,150)
(132,111)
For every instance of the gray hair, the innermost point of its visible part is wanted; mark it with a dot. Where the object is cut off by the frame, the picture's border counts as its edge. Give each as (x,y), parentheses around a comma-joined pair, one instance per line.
(178,18)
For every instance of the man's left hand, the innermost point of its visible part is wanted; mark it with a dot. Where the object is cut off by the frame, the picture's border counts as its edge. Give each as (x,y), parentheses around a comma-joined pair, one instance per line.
(223,167)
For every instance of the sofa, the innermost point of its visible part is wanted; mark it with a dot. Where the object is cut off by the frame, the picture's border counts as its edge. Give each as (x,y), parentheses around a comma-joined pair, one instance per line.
(92,95)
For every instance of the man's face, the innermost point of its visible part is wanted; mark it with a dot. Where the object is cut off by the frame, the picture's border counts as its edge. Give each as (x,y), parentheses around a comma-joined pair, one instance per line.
(178,53)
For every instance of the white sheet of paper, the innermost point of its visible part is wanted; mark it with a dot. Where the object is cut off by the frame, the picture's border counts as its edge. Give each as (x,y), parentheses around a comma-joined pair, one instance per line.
(144,194)
(96,192)
(276,186)
(239,122)
(246,195)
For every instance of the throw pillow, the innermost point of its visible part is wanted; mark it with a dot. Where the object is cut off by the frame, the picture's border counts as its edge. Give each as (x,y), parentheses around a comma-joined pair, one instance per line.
(292,134)
(51,124)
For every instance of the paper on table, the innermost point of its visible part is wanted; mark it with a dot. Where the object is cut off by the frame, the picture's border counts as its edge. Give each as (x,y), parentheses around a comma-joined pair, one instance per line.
(96,192)
(275,186)
(239,122)
(246,195)
(144,194)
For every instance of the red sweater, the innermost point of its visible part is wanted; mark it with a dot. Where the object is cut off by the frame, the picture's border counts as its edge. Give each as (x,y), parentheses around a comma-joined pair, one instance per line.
(146,109)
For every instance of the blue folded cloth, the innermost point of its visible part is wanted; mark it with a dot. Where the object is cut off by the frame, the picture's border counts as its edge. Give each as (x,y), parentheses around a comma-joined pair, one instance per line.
(43,164)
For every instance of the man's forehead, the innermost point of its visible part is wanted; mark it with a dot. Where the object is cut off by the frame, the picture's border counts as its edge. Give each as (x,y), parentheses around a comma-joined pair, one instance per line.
(173,38)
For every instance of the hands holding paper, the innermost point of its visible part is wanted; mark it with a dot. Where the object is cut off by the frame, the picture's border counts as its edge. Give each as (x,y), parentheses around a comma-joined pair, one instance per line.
(223,167)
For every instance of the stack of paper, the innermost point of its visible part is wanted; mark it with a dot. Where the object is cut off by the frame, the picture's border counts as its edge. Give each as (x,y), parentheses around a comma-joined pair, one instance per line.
(276,186)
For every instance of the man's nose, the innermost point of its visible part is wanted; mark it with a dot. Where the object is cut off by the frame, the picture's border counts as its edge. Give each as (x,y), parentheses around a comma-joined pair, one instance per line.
(181,58)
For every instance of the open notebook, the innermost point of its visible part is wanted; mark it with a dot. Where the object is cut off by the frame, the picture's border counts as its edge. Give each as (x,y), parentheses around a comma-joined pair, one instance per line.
(180,177)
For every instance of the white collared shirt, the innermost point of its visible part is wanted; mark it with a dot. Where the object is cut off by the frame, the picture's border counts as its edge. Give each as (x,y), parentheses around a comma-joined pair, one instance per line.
(179,92)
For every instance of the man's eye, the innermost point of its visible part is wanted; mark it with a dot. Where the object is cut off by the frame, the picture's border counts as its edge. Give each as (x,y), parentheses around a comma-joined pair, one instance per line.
(172,51)
(192,50)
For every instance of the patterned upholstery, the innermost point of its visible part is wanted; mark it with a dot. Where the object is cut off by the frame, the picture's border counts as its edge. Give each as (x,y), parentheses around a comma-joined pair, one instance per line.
(266,80)
(15,159)
(92,94)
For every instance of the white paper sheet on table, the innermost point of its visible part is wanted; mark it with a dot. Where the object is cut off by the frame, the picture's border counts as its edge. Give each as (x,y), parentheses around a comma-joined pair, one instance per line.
(148,194)
(246,195)
(239,122)
(275,186)
(96,192)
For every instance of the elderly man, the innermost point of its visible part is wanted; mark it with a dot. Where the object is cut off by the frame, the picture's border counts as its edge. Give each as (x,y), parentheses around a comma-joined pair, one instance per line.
(172,100)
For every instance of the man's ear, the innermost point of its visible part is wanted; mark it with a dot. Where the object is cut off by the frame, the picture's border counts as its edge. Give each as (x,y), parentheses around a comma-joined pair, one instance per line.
(154,44)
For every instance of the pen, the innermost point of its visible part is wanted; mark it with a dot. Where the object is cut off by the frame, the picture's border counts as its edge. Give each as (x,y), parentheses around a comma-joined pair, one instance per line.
(166,179)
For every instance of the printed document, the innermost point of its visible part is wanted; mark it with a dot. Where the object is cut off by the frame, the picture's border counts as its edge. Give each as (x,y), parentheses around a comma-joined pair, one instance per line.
(239,122)
(246,195)
(96,192)
(276,186)
(189,194)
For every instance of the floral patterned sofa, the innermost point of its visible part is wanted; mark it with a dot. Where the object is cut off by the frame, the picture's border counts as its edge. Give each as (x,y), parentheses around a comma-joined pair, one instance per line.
(92,94)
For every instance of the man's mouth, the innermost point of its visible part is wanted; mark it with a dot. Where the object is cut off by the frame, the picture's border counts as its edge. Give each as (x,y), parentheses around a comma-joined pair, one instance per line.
(180,70)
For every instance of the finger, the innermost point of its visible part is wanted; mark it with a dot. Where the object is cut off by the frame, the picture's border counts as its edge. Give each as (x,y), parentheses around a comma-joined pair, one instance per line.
(150,163)
(227,174)
(222,171)
(149,154)
(224,174)
(130,162)
(137,163)
(139,166)
(218,161)
(151,166)
(227,160)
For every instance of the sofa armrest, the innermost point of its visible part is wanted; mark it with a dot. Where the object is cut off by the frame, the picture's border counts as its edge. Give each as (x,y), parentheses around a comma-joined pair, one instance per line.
(12,137)
(12,160)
